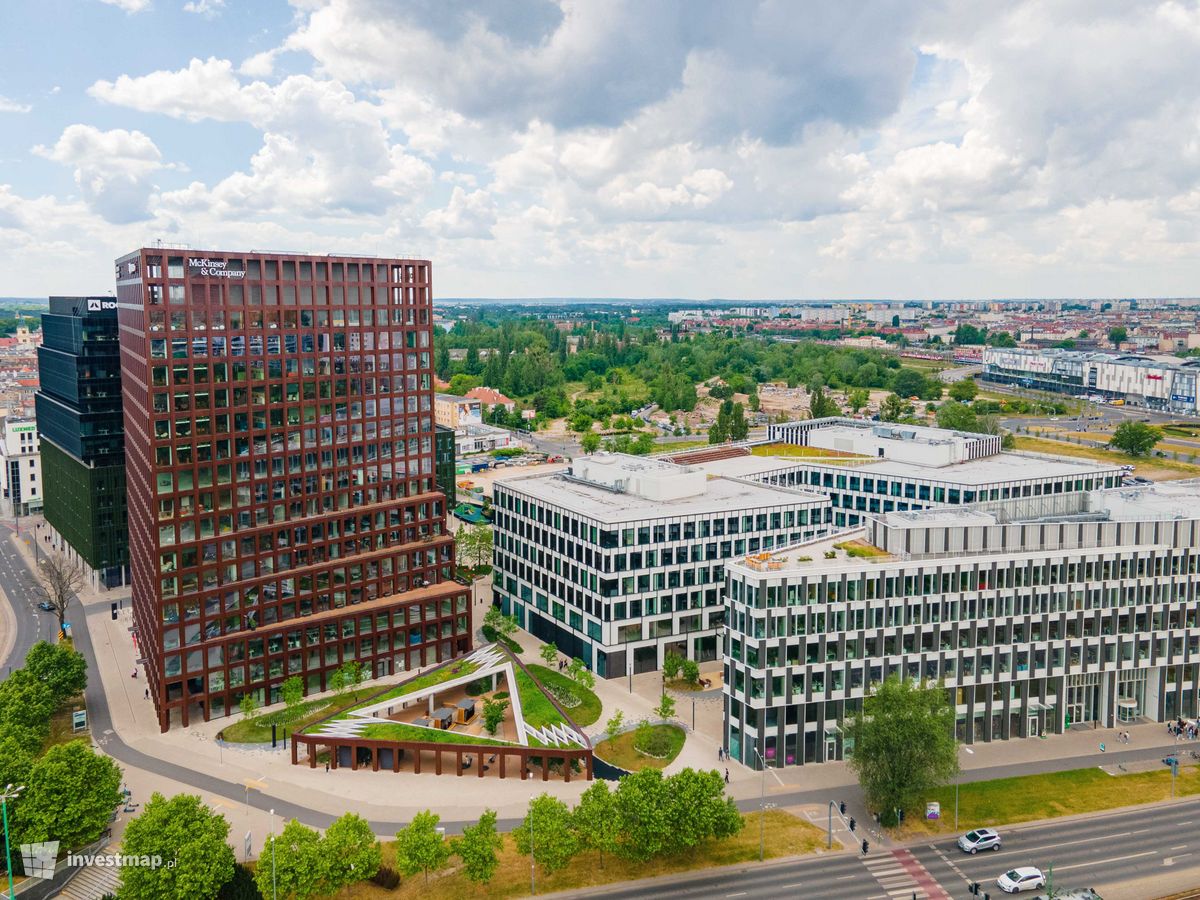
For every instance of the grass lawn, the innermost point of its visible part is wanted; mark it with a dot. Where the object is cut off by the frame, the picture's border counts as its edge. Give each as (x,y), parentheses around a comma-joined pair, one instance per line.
(678,446)
(861,550)
(1008,800)
(1144,464)
(797,451)
(399,731)
(620,750)
(786,835)
(61,729)
(586,713)
(445,673)
(258,729)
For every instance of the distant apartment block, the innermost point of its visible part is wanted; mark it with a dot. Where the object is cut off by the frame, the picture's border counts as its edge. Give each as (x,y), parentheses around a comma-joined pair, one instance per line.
(21,485)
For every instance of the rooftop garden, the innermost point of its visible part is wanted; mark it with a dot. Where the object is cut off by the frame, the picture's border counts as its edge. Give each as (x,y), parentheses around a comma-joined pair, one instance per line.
(860,549)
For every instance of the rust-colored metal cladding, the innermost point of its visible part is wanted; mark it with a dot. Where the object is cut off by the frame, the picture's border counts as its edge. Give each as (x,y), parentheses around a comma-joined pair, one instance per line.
(283,516)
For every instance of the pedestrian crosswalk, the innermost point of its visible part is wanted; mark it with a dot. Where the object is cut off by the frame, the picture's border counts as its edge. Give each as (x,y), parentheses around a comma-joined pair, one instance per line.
(902,877)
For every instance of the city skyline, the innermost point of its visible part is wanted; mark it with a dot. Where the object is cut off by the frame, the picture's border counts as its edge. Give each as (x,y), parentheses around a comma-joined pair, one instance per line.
(549,150)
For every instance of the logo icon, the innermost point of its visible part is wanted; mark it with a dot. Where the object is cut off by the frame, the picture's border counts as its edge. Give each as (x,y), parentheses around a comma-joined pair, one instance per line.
(39,859)
(93,304)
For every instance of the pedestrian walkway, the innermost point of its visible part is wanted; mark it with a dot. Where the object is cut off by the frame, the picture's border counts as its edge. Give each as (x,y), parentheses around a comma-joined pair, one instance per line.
(902,876)
(91,882)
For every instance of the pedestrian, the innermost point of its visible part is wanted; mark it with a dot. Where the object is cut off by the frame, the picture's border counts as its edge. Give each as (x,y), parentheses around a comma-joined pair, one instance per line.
(134,675)
(727,776)
(326,767)
(147,693)
(720,753)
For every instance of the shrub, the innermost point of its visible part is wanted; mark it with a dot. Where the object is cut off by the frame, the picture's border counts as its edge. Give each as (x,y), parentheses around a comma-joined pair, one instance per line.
(477,687)
(501,695)
(652,741)
(691,671)
(830,554)
(564,695)
(241,886)
(386,878)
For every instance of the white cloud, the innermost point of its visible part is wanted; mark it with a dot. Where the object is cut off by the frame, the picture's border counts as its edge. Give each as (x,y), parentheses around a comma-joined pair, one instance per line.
(467,215)
(129,6)
(113,169)
(207,8)
(7,105)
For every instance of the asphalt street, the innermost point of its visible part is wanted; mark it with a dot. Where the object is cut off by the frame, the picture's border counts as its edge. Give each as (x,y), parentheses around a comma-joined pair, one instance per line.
(31,623)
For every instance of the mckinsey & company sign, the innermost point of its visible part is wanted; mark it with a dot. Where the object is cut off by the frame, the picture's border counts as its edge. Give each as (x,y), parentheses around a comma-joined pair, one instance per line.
(212,268)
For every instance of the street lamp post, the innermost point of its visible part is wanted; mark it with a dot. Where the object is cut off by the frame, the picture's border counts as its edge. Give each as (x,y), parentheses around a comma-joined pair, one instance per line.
(532,864)
(11,792)
(957,779)
(762,805)
(274,894)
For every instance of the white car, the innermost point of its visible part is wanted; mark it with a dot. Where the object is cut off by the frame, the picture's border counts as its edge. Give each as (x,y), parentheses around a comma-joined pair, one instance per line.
(979,839)
(1026,878)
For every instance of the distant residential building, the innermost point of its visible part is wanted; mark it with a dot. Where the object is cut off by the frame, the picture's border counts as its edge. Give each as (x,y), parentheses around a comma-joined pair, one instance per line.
(457,412)
(489,398)
(20,467)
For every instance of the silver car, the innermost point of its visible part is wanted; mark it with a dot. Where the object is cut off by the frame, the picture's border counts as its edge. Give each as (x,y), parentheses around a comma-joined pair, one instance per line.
(979,839)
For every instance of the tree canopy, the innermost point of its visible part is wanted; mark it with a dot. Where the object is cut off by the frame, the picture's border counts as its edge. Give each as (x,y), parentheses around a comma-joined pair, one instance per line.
(59,667)
(904,745)
(1135,438)
(547,833)
(292,863)
(181,829)
(478,848)
(419,846)
(350,852)
(71,792)
(964,390)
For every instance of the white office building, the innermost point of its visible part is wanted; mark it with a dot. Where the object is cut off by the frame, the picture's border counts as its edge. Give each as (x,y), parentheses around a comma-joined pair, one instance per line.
(1038,615)
(620,559)
(882,468)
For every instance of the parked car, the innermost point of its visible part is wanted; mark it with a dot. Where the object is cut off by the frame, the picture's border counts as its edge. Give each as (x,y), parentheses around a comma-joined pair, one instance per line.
(979,839)
(1026,878)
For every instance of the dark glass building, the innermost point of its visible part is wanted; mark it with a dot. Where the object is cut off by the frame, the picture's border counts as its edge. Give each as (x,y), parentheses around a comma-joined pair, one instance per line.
(283,513)
(443,443)
(82,438)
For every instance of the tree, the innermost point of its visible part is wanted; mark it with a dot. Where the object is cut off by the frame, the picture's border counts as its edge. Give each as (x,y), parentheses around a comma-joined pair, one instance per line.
(547,834)
(58,579)
(1117,335)
(1001,339)
(904,746)
(59,667)
(657,815)
(1135,438)
(248,704)
(292,691)
(352,673)
(476,541)
(895,409)
(964,390)
(736,425)
(578,672)
(956,416)
(548,653)
(350,852)
(820,406)
(666,707)
(614,724)
(969,334)
(700,809)
(419,847)
(186,831)
(896,321)
(26,704)
(292,863)
(691,671)
(858,399)
(478,848)
(590,441)
(672,663)
(910,383)
(70,795)
(595,820)
(493,714)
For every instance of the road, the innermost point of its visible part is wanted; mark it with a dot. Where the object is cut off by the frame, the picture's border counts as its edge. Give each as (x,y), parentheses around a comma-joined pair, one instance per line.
(31,623)
(1098,852)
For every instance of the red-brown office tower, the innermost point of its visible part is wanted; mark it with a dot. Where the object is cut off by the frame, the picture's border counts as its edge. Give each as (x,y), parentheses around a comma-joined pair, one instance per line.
(279,432)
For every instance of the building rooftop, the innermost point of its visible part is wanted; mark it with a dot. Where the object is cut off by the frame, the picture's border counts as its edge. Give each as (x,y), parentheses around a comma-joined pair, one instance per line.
(721,495)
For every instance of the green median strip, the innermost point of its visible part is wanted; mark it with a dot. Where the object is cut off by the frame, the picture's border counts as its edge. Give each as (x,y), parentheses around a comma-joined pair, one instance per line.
(1006,801)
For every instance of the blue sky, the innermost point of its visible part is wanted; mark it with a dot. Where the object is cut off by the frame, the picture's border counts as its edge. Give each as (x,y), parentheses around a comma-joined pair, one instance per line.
(560,148)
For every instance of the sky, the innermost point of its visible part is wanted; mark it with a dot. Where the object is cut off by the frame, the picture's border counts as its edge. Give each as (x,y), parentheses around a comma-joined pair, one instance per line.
(649,148)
